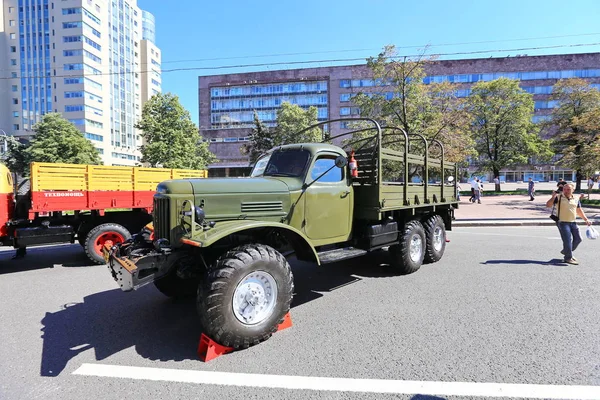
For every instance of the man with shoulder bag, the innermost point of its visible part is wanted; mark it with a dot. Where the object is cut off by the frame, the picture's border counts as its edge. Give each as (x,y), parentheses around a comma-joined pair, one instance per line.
(568,209)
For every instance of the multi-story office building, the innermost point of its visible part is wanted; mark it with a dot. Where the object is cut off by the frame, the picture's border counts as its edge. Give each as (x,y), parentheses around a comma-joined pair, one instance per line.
(85,59)
(227,102)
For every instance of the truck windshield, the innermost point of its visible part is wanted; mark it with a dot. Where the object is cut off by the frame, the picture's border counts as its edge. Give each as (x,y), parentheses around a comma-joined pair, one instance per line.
(282,163)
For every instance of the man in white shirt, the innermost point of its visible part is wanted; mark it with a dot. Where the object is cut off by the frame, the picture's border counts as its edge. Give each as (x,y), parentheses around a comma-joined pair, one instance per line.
(475,188)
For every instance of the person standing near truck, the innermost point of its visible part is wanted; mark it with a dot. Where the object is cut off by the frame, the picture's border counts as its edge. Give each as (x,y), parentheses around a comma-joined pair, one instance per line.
(568,209)
(531,189)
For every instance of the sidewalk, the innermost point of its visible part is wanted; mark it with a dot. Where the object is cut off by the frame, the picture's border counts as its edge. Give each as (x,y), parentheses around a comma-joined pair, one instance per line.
(512,210)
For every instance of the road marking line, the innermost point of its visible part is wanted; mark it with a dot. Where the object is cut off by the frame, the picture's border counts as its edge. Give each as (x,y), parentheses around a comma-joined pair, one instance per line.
(431,388)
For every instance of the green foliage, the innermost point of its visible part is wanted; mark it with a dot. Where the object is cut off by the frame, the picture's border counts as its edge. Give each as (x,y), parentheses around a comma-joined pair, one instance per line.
(291,119)
(576,124)
(56,140)
(501,123)
(172,138)
(262,139)
(15,158)
(433,110)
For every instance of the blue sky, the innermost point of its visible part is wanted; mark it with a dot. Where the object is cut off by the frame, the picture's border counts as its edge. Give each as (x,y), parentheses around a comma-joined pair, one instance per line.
(198,34)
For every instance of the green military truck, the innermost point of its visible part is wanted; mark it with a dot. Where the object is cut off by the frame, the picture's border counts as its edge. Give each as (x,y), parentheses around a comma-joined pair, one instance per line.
(226,240)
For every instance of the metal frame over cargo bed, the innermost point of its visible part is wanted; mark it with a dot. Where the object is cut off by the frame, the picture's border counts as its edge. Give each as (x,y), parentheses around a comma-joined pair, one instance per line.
(374,193)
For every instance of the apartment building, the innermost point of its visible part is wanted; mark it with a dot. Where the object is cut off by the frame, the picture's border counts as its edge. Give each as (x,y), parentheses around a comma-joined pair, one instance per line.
(93,61)
(227,102)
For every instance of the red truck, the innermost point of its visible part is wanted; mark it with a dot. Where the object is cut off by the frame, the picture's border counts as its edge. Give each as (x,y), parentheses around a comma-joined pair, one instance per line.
(87,203)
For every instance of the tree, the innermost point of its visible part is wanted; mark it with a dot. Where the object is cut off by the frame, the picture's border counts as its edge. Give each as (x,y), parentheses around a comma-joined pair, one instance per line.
(502,128)
(15,158)
(291,119)
(402,99)
(172,139)
(56,140)
(262,139)
(575,126)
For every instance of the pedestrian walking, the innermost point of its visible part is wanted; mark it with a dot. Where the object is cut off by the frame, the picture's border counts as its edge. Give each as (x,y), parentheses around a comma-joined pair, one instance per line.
(474,187)
(478,191)
(531,189)
(568,209)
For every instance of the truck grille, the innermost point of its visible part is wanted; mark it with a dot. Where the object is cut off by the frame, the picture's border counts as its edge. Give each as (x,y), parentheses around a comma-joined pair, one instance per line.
(162,229)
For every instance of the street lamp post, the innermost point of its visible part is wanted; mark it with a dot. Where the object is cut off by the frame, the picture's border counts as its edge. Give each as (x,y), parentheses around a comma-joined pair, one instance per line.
(5,141)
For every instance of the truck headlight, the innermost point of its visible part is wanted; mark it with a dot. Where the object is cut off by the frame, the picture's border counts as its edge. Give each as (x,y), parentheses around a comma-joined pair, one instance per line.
(199,214)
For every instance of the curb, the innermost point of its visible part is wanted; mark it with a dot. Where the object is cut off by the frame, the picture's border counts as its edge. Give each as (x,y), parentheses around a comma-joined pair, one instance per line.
(496,223)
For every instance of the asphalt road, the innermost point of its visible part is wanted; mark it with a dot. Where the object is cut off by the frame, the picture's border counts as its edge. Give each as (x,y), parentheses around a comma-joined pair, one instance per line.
(498,307)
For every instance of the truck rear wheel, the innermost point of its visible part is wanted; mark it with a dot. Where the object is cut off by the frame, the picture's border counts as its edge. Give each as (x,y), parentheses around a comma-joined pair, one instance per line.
(435,234)
(99,235)
(246,295)
(408,256)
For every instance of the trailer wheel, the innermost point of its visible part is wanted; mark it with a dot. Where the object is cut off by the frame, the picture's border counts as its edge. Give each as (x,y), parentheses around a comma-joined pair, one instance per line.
(435,234)
(408,256)
(245,296)
(99,235)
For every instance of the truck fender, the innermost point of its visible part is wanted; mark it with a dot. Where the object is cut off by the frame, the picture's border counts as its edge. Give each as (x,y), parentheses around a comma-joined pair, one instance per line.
(305,251)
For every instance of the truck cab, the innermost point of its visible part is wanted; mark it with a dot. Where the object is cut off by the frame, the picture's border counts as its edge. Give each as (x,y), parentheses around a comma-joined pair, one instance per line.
(321,193)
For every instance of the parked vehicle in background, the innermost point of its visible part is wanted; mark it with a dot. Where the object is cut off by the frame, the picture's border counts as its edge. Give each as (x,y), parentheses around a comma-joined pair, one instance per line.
(225,241)
(89,203)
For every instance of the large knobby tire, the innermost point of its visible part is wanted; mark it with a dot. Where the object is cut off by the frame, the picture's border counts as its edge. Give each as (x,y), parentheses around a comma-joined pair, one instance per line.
(435,234)
(99,235)
(408,255)
(245,296)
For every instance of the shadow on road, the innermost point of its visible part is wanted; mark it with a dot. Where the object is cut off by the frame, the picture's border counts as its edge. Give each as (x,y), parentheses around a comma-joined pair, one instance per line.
(44,257)
(553,262)
(163,329)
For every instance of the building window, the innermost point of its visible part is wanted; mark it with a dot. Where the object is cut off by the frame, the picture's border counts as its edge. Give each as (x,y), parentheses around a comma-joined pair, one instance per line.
(93,136)
(13,49)
(15,127)
(11,10)
(69,11)
(14,88)
(344,97)
(13,36)
(11,22)
(15,100)
(13,74)
(15,114)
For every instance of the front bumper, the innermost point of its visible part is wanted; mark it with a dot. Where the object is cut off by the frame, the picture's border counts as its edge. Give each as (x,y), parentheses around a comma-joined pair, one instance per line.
(131,272)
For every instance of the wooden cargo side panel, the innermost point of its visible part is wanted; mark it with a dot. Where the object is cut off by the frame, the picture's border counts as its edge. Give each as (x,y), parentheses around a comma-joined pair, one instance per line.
(67,187)
(110,187)
(58,187)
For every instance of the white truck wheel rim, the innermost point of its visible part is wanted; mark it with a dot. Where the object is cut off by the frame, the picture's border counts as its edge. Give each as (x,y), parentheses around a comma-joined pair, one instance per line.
(254,298)
(438,237)
(416,248)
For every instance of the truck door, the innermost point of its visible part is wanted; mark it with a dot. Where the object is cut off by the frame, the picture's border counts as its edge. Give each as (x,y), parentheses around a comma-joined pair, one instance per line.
(328,201)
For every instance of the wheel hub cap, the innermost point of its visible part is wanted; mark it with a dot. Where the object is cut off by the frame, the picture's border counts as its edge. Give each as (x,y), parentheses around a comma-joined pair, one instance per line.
(438,238)
(254,298)
(416,248)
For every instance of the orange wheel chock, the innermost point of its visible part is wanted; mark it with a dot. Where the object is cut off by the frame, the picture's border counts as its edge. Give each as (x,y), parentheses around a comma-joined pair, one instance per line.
(208,349)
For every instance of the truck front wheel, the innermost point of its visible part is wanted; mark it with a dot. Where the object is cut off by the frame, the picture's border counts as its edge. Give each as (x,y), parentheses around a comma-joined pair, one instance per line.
(99,235)
(246,295)
(407,256)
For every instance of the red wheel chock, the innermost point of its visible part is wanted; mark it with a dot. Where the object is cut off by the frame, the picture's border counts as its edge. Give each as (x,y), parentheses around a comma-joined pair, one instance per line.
(208,349)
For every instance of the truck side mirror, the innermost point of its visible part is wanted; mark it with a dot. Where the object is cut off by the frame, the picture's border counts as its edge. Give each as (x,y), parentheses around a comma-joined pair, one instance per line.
(341,161)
